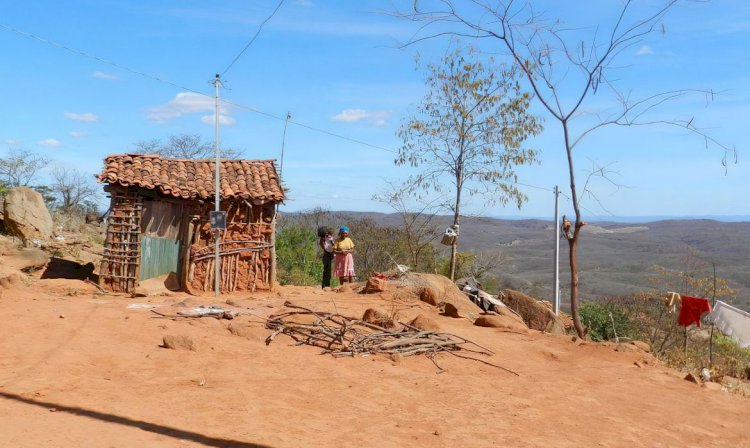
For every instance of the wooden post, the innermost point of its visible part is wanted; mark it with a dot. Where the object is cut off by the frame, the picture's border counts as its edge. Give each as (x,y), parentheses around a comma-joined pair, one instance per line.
(273,253)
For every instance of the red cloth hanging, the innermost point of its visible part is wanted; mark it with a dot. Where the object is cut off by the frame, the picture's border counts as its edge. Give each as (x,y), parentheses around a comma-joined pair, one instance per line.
(691,310)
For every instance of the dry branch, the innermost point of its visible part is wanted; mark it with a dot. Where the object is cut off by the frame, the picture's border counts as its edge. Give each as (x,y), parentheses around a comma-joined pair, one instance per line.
(340,335)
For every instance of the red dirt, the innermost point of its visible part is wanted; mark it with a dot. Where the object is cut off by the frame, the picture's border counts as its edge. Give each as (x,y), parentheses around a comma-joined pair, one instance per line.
(85,370)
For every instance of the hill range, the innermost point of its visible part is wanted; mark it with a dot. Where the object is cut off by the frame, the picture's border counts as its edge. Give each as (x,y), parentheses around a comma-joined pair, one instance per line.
(614,258)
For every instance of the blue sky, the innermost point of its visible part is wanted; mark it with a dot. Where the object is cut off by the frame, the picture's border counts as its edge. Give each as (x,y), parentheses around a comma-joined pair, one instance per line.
(335,65)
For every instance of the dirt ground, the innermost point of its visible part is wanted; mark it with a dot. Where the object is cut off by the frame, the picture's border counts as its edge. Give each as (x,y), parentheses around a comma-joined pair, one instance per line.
(81,368)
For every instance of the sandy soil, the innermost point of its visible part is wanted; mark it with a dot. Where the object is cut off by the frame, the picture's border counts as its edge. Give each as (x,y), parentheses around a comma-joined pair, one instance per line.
(79,368)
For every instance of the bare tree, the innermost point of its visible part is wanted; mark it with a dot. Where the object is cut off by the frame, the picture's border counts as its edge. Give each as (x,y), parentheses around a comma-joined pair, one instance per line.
(184,146)
(564,71)
(73,187)
(418,226)
(467,134)
(20,167)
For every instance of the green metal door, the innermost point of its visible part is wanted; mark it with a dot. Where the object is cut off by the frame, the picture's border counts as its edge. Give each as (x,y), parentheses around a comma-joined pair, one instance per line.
(158,256)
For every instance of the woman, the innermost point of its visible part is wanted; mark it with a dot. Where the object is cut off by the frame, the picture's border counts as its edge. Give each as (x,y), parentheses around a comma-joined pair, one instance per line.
(326,243)
(344,260)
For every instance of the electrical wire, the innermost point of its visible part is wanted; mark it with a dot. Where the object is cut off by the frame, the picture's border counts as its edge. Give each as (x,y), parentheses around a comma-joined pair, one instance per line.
(255,36)
(229,102)
(87,55)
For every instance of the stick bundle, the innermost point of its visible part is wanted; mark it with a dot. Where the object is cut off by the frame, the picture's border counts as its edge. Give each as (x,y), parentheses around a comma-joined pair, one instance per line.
(339,335)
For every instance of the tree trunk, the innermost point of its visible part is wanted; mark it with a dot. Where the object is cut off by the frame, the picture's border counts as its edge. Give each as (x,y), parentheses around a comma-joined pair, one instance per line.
(573,241)
(456,220)
(454,246)
(574,302)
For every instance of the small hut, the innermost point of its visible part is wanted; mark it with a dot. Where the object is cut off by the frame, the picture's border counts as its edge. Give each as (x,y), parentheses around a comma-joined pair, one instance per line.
(158,222)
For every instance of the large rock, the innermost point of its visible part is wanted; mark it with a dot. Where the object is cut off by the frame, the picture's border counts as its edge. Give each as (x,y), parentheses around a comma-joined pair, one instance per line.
(26,215)
(535,314)
(438,290)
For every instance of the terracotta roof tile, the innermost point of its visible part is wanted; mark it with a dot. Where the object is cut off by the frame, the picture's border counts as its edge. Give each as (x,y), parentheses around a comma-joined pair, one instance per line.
(254,180)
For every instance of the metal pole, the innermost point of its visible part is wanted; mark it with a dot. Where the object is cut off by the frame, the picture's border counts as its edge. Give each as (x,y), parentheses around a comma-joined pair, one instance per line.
(217,184)
(556,304)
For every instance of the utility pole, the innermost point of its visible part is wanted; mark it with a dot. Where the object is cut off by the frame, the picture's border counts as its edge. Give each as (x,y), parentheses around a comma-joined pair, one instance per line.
(217,185)
(283,140)
(556,286)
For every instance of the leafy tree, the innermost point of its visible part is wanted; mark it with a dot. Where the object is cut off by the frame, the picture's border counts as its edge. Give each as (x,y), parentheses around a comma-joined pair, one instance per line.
(297,256)
(565,71)
(20,167)
(184,146)
(467,134)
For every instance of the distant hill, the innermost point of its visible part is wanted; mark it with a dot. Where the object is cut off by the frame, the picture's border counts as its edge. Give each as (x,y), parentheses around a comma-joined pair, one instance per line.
(614,258)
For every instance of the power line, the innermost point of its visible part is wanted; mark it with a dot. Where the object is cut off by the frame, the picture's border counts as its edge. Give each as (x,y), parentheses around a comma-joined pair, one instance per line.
(94,57)
(233,103)
(257,33)
(86,55)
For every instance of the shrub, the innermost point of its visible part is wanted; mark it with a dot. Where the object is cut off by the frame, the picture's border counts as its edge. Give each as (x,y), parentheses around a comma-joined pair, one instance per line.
(606,320)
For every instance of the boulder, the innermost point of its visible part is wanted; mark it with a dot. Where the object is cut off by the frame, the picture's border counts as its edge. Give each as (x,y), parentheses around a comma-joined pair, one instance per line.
(450,310)
(7,245)
(26,215)
(425,323)
(437,290)
(375,284)
(179,342)
(535,314)
(378,318)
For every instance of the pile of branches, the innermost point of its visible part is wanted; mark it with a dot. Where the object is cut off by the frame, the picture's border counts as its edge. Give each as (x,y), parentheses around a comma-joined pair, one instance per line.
(340,336)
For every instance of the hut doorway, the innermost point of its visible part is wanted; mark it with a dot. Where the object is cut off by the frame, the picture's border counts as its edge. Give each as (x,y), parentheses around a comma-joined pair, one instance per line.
(163,228)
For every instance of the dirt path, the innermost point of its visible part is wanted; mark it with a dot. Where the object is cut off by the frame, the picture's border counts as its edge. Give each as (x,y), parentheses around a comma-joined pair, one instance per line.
(82,369)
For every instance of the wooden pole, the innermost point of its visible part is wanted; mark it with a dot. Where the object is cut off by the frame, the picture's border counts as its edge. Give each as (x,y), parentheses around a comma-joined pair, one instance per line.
(272,286)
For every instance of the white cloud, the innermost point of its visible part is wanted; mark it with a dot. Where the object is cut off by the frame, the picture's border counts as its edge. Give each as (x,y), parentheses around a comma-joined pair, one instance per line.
(645,50)
(223,119)
(104,75)
(77,134)
(185,103)
(376,117)
(51,142)
(12,142)
(88,116)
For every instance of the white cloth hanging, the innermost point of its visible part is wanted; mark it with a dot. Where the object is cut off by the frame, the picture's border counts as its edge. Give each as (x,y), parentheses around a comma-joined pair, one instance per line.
(732,321)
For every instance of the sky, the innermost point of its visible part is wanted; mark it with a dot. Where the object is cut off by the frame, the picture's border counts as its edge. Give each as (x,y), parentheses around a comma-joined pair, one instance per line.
(340,69)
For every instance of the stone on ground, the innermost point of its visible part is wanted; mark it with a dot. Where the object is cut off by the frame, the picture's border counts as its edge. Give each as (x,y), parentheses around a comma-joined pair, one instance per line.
(26,215)
(179,342)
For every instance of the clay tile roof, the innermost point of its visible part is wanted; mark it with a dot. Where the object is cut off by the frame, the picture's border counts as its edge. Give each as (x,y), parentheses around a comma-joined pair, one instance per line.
(255,180)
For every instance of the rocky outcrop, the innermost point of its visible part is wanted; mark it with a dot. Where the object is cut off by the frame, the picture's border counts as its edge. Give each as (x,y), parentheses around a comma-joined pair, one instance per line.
(26,215)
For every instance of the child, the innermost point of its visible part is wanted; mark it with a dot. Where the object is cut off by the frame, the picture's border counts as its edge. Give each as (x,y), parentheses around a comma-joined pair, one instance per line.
(343,250)
(326,243)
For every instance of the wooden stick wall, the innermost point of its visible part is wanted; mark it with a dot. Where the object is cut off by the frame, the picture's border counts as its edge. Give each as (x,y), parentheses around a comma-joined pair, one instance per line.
(245,248)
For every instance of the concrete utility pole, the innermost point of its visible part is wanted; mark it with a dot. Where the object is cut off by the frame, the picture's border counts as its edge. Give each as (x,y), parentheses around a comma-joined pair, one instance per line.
(217,185)
(556,286)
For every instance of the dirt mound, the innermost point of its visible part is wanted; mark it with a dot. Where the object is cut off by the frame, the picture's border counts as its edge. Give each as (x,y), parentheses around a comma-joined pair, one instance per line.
(535,314)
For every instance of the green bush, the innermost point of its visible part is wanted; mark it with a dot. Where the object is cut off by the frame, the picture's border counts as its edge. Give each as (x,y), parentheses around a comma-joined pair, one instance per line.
(598,318)
(299,262)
